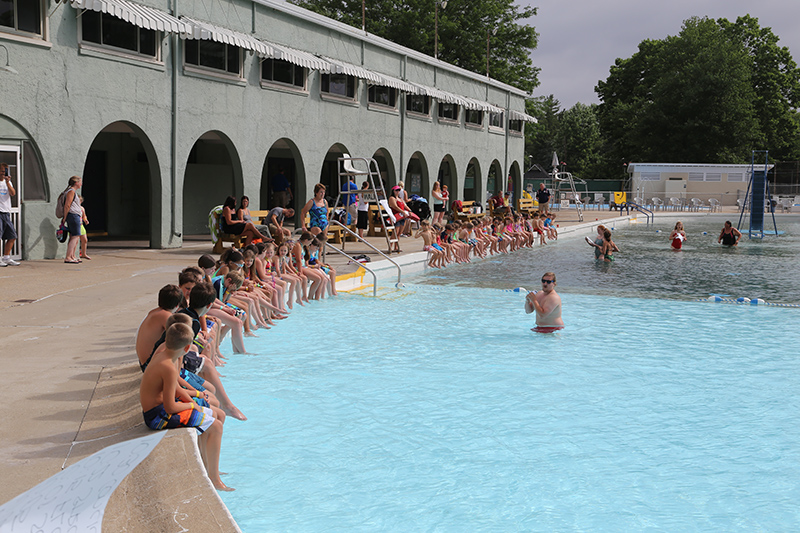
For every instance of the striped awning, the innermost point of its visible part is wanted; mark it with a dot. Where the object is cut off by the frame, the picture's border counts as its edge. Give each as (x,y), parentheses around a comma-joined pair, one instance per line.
(141,16)
(397,83)
(517,115)
(205,31)
(300,58)
(341,67)
(442,96)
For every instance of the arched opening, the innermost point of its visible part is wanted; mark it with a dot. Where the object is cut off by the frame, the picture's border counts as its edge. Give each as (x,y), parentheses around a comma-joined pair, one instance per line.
(416,176)
(213,172)
(122,184)
(515,177)
(472,180)
(21,154)
(283,165)
(386,168)
(329,175)
(494,179)
(446,176)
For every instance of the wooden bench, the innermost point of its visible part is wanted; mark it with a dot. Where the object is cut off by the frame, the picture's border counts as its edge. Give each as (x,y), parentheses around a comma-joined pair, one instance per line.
(466,213)
(237,240)
(526,206)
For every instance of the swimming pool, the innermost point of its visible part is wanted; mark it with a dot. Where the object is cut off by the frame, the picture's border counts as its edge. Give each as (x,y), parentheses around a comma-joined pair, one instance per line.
(648,268)
(437,409)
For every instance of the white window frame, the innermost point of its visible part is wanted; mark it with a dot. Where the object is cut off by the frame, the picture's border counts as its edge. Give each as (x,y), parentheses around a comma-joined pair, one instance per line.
(736,177)
(697,176)
(380,105)
(14,34)
(276,84)
(496,117)
(418,114)
(447,120)
(210,71)
(650,176)
(85,45)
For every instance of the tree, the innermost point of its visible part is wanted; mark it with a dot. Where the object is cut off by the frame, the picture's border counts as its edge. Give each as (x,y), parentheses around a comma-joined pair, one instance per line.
(463,29)
(711,94)
(540,138)
(579,142)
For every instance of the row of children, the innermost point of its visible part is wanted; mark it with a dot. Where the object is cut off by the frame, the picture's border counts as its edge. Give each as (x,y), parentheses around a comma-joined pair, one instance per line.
(485,236)
(178,343)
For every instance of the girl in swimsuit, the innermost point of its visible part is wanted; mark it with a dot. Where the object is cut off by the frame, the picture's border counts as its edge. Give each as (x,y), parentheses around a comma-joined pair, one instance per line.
(267,276)
(677,236)
(312,260)
(282,266)
(317,211)
(608,247)
(318,279)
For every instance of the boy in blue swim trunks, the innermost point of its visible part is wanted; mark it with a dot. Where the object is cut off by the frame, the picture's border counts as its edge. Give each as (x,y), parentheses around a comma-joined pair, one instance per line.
(166,406)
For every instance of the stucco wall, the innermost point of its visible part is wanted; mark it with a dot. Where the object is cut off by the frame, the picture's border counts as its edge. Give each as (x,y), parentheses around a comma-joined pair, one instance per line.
(63,97)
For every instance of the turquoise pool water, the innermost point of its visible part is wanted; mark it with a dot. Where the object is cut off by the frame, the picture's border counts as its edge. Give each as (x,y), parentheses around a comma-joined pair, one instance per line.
(648,268)
(437,409)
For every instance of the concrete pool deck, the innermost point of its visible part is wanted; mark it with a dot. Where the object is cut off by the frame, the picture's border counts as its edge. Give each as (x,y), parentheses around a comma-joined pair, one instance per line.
(72,378)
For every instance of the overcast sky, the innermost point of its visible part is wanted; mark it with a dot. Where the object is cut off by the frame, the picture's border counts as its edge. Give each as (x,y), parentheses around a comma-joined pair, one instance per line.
(580,39)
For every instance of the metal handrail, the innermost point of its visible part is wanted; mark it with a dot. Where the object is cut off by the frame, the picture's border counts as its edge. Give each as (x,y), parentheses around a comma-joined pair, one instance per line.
(642,209)
(361,239)
(374,276)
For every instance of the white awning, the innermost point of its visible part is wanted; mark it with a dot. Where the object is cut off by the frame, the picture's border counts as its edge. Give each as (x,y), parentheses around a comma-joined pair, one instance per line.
(141,16)
(396,83)
(208,32)
(340,67)
(300,58)
(442,96)
(517,115)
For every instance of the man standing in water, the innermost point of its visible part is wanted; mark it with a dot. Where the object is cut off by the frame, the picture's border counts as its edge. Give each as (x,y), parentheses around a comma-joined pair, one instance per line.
(547,304)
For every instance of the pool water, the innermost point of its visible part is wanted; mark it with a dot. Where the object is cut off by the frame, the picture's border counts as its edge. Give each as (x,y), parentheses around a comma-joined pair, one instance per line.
(648,268)
(437,409)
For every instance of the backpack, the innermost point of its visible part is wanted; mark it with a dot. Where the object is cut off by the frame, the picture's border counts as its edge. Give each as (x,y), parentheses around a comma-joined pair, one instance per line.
(62,199)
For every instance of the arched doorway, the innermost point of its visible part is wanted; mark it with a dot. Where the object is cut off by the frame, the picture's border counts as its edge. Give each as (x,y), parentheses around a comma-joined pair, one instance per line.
(283,158)
(446,176)
(386,168)
(515,177)
(494,179)
(329,175)
(121,171)
(213,172)
(416,176)
(472,180)
(21,154)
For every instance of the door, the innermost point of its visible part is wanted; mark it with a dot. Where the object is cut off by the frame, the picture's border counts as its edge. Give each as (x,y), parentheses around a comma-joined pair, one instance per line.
(10,155)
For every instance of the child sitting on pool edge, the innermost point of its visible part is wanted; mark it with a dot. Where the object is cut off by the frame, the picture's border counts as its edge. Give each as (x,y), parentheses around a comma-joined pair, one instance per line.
(165,405)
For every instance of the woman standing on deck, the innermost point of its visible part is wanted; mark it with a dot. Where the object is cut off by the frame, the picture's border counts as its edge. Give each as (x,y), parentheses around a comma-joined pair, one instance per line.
(317,211)
(438,203)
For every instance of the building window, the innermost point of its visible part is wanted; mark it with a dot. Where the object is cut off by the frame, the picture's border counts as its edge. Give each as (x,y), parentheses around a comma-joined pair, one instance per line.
(22,16)
(736,177)
(651,176)
(473,117)
(381,95)
(280,71)
(448,111)
(713,176)
(495,120)
(339,84)
(696,176)
(106,30)
(418,103)
(215,56)
(515,126)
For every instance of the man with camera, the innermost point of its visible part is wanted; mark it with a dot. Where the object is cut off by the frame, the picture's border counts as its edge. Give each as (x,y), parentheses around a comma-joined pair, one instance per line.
(7,231)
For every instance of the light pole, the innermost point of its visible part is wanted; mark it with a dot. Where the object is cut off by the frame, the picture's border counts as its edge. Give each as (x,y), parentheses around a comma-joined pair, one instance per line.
(493,32)
(363,16)
(443,3)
